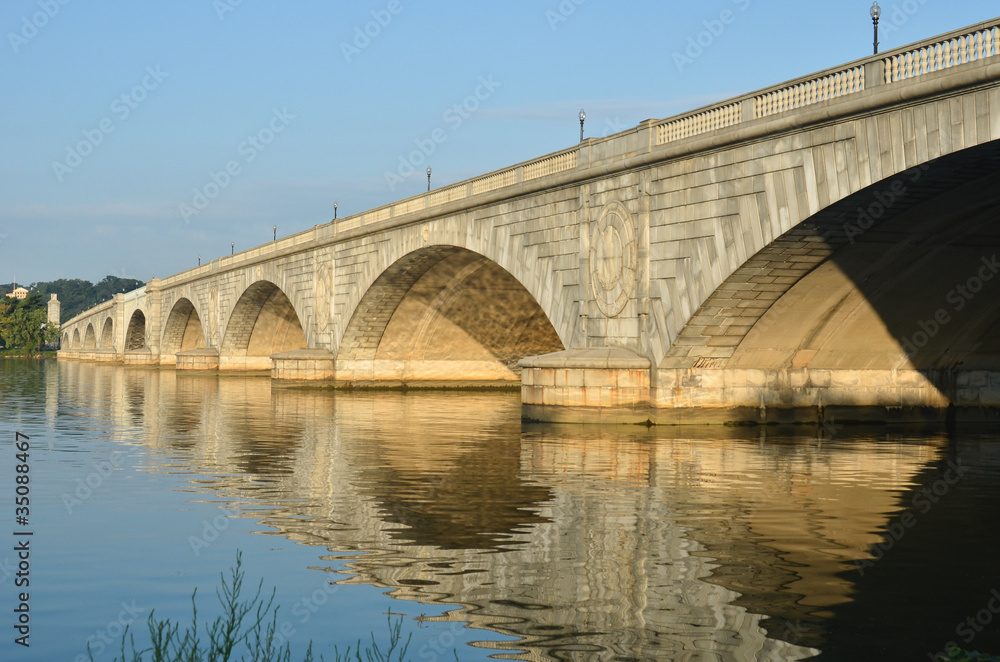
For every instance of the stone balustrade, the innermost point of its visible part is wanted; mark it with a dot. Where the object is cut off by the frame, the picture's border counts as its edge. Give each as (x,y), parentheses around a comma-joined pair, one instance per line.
(952,51)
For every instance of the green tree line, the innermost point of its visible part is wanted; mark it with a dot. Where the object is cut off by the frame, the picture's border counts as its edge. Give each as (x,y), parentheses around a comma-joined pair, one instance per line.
(75,295)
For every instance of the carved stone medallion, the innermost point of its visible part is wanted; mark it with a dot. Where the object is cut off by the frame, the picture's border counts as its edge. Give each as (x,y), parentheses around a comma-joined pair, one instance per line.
(613,259)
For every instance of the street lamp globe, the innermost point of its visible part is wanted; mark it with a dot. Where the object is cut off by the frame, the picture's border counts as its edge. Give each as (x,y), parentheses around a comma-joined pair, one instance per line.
(875,12)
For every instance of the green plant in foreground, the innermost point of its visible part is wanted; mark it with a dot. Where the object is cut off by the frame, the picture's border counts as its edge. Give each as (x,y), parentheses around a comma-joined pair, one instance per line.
(246,628)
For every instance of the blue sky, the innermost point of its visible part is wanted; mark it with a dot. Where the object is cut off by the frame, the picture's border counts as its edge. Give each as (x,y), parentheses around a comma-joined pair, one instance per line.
(117,114)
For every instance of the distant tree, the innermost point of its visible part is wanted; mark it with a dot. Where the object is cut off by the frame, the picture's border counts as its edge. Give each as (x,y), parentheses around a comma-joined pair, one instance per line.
(24,324)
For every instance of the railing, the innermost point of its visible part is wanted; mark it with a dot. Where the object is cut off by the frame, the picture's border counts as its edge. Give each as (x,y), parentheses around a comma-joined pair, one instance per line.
(135,294)
(493,182)
(950,50)
(809,92)
(551,165)
(945,54)
(445,195)
(90,312)
(698,123)
(954,49)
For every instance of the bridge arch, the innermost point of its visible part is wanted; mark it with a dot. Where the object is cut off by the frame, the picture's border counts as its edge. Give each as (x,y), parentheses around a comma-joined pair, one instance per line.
(135,334)
(107,340)
(183,329)
(90,338)
(856,257)
(76,338)
(445,312)
(509,252)
(263,322)
(889,297)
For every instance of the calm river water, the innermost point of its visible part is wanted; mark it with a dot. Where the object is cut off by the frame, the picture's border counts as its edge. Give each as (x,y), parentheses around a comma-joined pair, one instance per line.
(488,538)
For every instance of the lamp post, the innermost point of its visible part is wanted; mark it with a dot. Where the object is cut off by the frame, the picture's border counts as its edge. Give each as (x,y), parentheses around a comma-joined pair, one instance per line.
(583,116)
(335,211)
(875,13)
(428,179)
(232,248)
(275,237)
(199,264)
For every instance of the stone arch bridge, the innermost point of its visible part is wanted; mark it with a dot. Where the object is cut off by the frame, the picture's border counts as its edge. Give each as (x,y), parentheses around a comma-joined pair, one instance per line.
(823,248)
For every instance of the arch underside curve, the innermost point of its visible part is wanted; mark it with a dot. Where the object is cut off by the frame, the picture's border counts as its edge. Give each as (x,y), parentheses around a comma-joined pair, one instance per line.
(183,331)
(749,292)
(76,338)
(107,335)
(263,323)
(443,314)
(898,277)
(90,338)
(135,335)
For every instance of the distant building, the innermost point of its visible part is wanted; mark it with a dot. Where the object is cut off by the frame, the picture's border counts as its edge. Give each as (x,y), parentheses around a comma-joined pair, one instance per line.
(18,293)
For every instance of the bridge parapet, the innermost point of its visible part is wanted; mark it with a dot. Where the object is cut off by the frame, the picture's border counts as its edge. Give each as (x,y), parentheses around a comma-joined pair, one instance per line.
(951,50)
(954,49)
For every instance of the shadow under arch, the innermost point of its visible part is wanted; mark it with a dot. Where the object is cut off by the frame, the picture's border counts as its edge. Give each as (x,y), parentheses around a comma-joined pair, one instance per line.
(135,335)
(90,338)
(898,276)
(183,330)
(444,313)
(76,339)
(107,334)
(263,322)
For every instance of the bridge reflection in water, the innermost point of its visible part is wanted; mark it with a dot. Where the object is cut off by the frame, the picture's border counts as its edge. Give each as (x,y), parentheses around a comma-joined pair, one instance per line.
(627,543)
